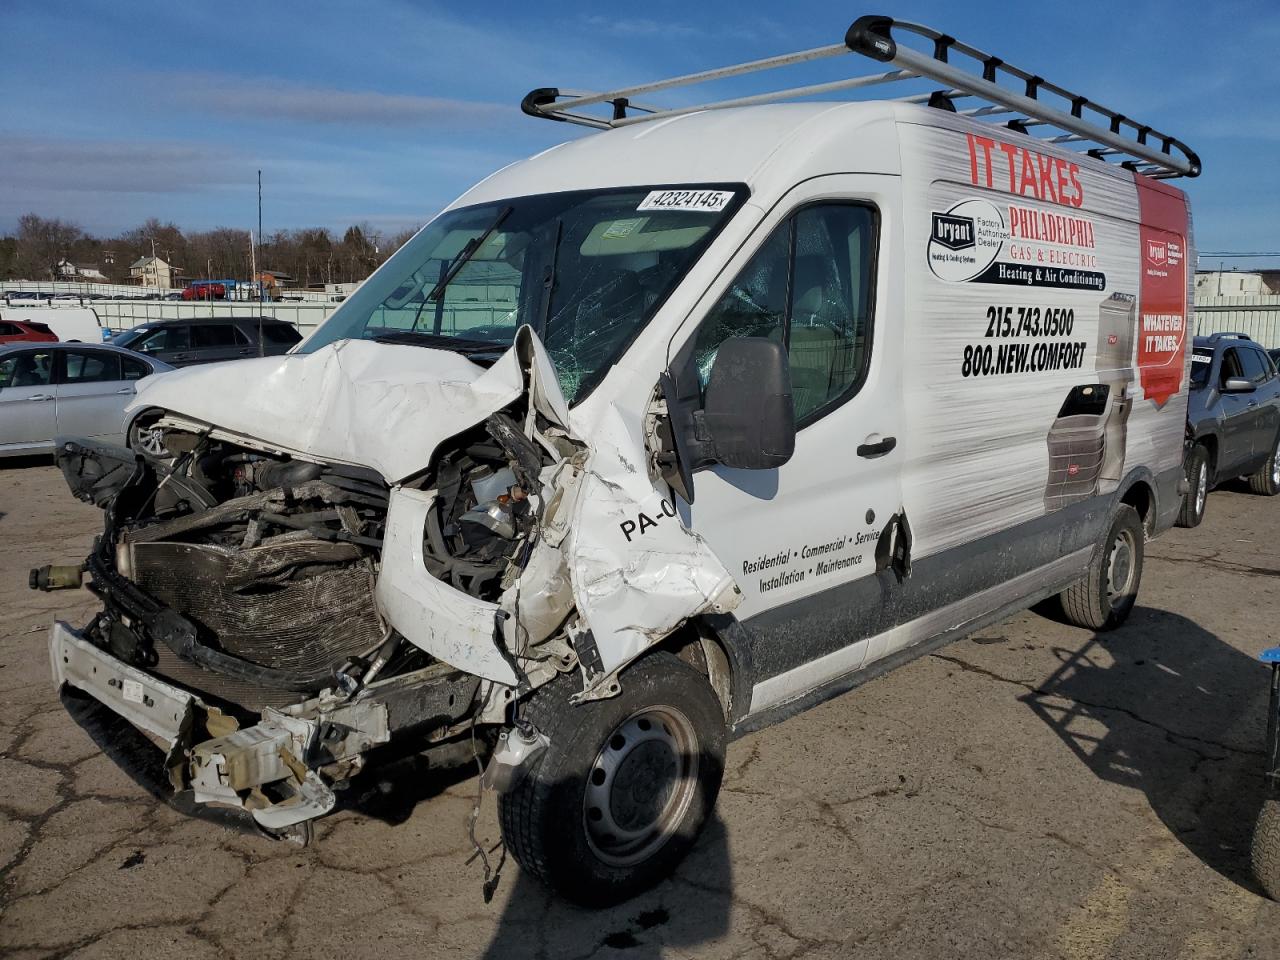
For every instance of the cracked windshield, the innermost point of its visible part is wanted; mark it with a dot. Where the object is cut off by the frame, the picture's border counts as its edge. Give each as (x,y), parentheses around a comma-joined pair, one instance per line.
(586,270)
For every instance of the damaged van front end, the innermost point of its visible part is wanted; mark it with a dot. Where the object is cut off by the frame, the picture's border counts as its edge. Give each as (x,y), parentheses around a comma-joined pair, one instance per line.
(404,549)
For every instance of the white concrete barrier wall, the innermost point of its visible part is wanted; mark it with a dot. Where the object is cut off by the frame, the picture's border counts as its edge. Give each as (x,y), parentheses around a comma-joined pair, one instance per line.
(69,286)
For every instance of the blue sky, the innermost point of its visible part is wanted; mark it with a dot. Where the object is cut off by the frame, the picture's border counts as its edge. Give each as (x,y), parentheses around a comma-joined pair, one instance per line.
(384,110)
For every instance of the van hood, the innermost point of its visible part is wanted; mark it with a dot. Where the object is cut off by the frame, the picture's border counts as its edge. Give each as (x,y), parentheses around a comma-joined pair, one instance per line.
(377,405)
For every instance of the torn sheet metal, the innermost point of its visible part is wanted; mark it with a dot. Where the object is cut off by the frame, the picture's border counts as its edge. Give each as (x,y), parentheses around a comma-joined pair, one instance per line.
(637,571)
(447,623)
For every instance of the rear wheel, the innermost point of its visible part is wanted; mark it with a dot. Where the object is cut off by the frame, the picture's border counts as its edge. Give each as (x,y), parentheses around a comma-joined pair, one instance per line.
(1193,502)
(619,795)
(1106,595)
(1267,480)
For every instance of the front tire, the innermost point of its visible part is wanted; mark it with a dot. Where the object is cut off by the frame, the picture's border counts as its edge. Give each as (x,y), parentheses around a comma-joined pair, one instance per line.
(619,795)
(1106,595)
(1193,503)
(1266,482)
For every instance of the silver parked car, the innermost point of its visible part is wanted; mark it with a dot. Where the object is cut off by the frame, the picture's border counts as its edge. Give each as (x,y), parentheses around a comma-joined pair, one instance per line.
(50,389)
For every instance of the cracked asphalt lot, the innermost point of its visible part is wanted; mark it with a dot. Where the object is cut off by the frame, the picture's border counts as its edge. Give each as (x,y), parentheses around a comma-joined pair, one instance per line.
(1034,791)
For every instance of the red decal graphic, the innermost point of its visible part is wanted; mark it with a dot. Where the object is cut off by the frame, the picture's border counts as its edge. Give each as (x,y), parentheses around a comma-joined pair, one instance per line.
(1162,294)
(1018,170)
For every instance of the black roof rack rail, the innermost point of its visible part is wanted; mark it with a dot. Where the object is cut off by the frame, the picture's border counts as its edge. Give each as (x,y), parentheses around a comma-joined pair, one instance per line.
(1103,133)
(1229,335)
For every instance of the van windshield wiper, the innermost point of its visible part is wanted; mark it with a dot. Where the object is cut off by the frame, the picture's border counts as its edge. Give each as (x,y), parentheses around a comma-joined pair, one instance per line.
(465,254)
(466,346)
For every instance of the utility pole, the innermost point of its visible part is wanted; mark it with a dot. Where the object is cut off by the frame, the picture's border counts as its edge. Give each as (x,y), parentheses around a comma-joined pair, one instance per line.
(255,277)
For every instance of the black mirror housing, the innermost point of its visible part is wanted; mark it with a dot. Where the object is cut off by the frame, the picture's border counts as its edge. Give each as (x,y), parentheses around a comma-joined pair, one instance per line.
(749,415)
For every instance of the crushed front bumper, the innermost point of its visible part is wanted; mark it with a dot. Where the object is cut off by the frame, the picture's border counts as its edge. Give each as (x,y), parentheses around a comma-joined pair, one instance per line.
(271,769)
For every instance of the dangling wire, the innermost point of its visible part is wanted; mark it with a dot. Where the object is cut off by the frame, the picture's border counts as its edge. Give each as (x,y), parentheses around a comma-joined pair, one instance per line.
(491,874)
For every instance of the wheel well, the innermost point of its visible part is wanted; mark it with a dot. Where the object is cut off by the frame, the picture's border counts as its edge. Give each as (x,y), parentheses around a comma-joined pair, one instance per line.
(702,650)
(1140,497)
(1210,444)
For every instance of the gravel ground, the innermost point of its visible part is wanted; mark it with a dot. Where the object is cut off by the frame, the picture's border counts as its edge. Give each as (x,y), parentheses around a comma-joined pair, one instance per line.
(1034,791)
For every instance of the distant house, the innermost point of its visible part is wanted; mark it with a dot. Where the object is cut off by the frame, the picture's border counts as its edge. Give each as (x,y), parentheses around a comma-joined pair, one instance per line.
(87,272)
(274,282)
(153,272)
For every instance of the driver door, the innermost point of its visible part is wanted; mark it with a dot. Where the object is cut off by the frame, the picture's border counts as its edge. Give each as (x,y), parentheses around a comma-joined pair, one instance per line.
(801,540)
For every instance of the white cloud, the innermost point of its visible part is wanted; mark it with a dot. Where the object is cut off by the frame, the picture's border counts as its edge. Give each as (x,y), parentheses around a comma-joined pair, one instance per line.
(245,98)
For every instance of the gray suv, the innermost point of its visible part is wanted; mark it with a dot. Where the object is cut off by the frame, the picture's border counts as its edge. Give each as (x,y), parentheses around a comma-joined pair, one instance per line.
(1233,420)
(207,340)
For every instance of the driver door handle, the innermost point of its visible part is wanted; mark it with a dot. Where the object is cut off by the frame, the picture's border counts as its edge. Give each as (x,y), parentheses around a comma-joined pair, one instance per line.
(878,449)
(40,396)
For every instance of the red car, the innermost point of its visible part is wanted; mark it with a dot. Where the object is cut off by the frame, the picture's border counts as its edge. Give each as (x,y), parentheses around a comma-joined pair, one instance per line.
(205,291)
(26,331)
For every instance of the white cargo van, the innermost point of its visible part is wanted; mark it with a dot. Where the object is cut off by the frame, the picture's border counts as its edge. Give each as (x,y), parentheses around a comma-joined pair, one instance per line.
(659,436)
(69,324)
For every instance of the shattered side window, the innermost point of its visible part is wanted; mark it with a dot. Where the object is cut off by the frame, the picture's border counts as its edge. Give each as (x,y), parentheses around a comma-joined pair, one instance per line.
(755,305)
(809,286)
(830,304)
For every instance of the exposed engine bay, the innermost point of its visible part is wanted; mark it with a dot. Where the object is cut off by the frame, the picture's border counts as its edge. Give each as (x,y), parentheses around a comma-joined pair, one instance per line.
(250,577)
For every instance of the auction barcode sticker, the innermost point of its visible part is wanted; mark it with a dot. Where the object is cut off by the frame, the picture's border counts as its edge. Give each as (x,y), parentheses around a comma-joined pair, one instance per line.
(1201,358)
(707,201)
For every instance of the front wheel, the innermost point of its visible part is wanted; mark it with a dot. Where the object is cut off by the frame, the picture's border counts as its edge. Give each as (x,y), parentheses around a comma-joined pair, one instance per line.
(1267,480)
(147,439)
(619,795)
(1104,598)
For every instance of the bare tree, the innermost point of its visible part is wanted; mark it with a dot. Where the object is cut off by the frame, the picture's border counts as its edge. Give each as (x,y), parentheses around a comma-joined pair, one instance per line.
(42,244)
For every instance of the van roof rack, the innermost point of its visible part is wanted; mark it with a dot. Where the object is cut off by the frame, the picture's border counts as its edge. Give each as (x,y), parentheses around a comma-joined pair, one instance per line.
(1103,133)
(1228,335)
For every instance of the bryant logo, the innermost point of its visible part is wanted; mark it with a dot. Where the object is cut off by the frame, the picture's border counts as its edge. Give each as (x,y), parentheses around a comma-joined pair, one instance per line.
(954,233)
(1157,252)
(1072,470)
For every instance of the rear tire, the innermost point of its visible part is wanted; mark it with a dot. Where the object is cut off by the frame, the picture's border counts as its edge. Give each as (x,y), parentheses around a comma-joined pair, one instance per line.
(1106,595)
(1266,482)
(1265,852)
(1193,502)
(619,796)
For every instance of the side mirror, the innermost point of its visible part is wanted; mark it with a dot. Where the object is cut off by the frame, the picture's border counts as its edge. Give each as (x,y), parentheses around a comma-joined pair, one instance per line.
(748,418)
(1239,385)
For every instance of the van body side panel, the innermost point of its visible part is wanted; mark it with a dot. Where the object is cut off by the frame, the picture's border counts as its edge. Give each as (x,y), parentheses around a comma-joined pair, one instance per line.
(1024,285)
(1031,400)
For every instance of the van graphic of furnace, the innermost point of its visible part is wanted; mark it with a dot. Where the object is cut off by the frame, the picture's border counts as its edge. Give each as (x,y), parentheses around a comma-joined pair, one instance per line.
(1087,440)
